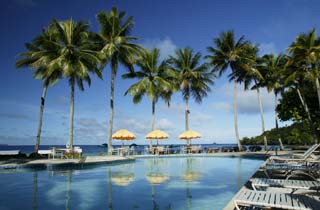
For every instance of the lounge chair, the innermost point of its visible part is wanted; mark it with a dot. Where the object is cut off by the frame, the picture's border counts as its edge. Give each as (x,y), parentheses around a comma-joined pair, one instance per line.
(310,169)
(47,152)
(276,200)
(291,184)
(10,152)
(297,157)
(196,149)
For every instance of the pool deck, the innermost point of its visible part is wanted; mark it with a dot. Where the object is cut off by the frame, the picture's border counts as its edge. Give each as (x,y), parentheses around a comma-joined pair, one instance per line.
(21,163)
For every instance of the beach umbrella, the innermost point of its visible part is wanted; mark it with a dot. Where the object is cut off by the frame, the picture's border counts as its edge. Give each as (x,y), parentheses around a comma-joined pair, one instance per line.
(157,134)
(189,134)
(123,135)
(122,179)
(155,178)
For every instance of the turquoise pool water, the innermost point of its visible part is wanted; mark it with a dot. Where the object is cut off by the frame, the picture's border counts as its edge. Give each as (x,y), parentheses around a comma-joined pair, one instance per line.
(148,183)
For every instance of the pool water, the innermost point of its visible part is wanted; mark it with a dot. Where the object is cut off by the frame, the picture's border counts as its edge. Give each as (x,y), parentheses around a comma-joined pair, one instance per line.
(148,183)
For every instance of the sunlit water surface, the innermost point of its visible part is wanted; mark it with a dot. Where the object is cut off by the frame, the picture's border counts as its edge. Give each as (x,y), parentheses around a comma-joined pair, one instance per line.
(147,183)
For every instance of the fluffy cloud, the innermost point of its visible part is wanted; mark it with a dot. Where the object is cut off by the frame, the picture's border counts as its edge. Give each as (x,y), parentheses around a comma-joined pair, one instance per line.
(267,48)
(137,126)
(164,124)
(247,101)
(166,46)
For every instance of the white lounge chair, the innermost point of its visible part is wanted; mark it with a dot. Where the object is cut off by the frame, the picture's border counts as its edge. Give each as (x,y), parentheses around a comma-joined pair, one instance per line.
(296,157)
(276,200)
(10,152)
(291,184)
(310,169)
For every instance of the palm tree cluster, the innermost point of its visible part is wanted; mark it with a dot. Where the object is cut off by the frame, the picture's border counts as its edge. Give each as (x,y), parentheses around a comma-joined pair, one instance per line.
(68,49)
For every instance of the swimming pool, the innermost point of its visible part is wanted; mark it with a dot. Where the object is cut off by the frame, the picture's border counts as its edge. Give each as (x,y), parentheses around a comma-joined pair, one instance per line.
(148,183)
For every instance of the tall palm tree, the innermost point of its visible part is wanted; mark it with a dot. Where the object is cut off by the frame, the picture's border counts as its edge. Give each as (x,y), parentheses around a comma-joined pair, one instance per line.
(228,52)
(252,73)
(73,56)
(38,57)
(306,48)
(117,47)
(155,81)
(273,66)
(192,77)
(294,77)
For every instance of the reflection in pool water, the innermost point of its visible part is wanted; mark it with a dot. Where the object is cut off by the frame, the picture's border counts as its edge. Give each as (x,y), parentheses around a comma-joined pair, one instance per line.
(149,183)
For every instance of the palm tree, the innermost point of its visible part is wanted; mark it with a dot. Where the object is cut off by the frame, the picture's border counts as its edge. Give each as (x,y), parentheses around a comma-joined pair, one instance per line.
(192,77)
(294,77)
(116,46)
(73,56)
(38,57)
(252,73)
(155,81)
(306,48)
(273,66)
(228,52)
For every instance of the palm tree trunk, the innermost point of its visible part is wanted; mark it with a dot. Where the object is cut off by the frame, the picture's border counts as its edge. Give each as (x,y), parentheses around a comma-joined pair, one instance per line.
(35,191)
(276,120)
(113,76)
(306,109)
(109,187)
(318,90)
(71,115)
(153,119)
(187,117)
(262,120)
(235,115)
(43,97)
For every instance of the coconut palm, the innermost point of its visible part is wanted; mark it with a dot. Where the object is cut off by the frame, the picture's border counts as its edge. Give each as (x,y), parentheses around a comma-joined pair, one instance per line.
(73,56)
(155,81)
(294,77)
(273,66)
(252,73)
(38,57)
(116,46)
(306,48)
(192,77)
(228,52)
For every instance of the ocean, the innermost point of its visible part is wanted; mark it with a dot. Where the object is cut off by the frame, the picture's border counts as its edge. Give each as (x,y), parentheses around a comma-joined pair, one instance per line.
(97,149)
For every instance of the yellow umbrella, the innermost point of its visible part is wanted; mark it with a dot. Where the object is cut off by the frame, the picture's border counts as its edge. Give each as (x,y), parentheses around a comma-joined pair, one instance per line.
(191,176)
(122,179)
(157,178)
(157,134)
(123,134)
(189,134)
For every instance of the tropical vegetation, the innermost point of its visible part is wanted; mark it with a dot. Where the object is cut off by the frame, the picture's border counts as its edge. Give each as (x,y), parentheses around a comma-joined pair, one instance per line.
(69,50)
(117,47)
(156,81)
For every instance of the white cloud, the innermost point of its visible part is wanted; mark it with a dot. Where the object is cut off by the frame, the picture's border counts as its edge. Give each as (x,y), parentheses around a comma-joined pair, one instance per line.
(164,124)
(174,108)
(247,101)
(135,125)
(166,46)
(267,48)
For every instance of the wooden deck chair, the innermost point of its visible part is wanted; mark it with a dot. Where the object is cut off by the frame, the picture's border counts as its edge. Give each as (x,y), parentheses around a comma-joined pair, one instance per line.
(276,200)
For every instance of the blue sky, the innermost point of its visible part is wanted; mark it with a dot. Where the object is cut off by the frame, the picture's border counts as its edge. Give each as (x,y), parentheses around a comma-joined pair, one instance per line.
(165,24)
